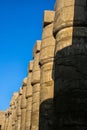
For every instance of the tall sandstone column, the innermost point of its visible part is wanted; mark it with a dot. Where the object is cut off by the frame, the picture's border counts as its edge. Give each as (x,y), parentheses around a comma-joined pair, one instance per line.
(36,87)
(70,93)
(29,97)
(9,119)
(46,64)
(6,120)
(14,108)
(2,120)
(23,105)
(18,126)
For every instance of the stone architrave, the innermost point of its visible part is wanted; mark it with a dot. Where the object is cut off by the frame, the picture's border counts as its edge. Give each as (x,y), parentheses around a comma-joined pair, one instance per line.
(18,126)
(35,87)
(29,97)
(23,105)
(70,78)
(46,80)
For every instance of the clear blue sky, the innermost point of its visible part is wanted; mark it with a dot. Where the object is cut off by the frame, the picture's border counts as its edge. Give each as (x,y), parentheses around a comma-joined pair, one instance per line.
(20,27)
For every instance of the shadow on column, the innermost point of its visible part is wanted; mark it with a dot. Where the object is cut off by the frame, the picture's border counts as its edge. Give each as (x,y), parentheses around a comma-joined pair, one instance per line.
(46,115)
(70,89)
(70,85)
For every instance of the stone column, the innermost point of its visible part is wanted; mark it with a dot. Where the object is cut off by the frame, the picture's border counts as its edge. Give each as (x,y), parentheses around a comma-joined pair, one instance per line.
(2,120)
(14,104)
(36,87)
(19,110)
(70,31)
(23,105)
(46,64)
(9,119)
(29,97)
(6,120)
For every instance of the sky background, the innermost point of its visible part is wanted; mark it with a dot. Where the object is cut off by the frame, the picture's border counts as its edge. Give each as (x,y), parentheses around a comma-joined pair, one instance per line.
(20,26)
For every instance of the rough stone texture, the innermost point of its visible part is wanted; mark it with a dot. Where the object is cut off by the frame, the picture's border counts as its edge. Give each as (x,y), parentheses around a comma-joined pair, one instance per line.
(44,104)
(29,97)
(9,127)
(6,119)
(14,109)
(23,105)
(70,77)
(10,114)
(18,112)
(68,13)
(46,81)
(36,88)
(2,120)
(36,47)
(48,17)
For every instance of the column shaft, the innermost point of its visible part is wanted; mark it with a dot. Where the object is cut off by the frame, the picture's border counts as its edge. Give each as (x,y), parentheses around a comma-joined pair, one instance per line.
(29,97)
(46,80)
(70,31)
(18,126)
(36,87)
(23,105)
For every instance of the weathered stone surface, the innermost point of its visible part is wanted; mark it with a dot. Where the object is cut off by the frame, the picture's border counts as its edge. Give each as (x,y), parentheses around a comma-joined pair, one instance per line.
(9,127)
(47,46)
(29,86)
(75,12)
(2,120)
(18,126)
(70,77)
(71,88)
(14,109)
(23,105)
(36,68)
(36,91)
(30,66)
(6,120)
(36,47)
(46,97)
(46,81)
(44,104)
(67,36)
(46,73)
(28,113)
(29,97)
(47,31)
(48,17)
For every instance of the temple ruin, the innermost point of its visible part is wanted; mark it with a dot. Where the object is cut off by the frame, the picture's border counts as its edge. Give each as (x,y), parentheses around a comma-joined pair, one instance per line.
(53,96)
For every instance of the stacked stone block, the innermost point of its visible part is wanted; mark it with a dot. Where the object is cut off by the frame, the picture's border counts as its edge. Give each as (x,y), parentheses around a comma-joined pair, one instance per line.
(9,122)
(70,31)
(23,105)
(18,112)
(46,64)
(6,120)
(2,120)
(29,97)
(36,87)
(14,109)
(44,104)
